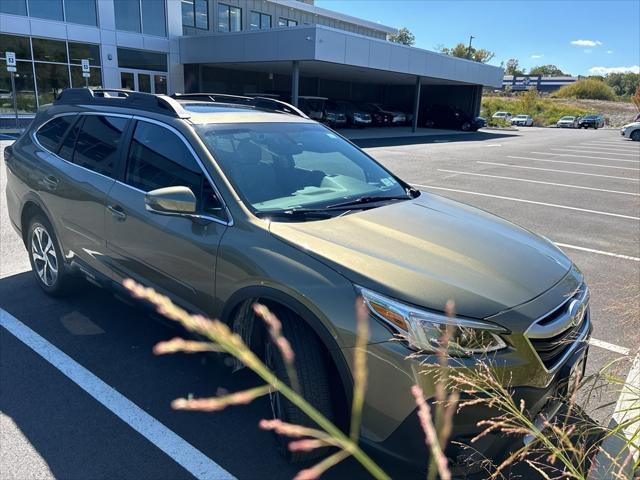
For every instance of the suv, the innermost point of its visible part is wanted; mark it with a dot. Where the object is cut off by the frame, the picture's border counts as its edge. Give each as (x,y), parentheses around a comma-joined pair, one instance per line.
(591,121)
(222,208)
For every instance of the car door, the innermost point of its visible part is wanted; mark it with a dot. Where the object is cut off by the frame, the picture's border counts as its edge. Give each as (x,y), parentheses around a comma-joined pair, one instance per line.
(174,254)
(75,190)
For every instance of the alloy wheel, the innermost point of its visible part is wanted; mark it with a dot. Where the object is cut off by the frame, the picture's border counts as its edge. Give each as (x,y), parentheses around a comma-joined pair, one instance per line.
(44,256)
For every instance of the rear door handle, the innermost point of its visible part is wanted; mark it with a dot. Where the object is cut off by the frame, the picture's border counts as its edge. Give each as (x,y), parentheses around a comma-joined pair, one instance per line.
(51,182)
(117,212)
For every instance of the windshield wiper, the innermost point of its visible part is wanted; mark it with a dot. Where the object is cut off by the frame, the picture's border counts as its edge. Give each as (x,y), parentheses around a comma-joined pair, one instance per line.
(366,200)
(297,213)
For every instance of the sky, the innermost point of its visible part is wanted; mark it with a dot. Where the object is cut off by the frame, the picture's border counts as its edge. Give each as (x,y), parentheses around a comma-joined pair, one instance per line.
(580,37)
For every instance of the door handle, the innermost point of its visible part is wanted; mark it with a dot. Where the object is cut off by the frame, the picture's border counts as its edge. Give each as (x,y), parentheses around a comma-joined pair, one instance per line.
(50,182)
(117,212)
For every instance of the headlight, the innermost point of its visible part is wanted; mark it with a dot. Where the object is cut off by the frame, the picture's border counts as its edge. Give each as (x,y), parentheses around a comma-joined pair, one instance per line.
(425,330)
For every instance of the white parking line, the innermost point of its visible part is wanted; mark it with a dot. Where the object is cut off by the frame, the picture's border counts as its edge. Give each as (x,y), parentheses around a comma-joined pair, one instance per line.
(609,346)
(573,163)
(185,454)
(600,148)
(540,182)
(597,212)
(587,150)
(622,143)
(599,252)
(558,171)
(586,156)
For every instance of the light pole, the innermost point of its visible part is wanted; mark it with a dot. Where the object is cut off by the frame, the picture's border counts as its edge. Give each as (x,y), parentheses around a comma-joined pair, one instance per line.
(471,37)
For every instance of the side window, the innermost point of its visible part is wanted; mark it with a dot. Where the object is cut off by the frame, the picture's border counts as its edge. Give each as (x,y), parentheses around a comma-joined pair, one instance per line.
(50,134)
(158,158)
(97,143)
(69,142)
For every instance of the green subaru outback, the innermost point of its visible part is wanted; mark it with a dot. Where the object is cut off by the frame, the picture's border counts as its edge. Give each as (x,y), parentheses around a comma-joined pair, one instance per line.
(221,204)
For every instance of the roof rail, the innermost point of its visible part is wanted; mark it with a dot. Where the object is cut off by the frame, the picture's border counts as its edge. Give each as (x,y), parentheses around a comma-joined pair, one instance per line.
(259,103)
(161,104)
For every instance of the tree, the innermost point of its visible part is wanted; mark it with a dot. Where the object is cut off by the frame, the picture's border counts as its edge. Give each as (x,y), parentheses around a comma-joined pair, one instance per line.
(547,71)
(624,84)
(512,67)
(403,36)
(480,55)
(636,97)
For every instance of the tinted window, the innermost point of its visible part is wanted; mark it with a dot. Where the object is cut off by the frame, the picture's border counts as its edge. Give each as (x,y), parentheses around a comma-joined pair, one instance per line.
(69,143)
(52,132)
(97,143)
(80,11)
(16,7)
(80,51)
(127,15)
(153,18)
(51,9)
(49,50)
(16,44)
(158,158)
(141,59)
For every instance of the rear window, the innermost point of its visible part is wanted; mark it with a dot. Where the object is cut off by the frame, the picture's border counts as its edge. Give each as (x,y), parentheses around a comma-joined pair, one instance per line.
(97,143)
(50,134)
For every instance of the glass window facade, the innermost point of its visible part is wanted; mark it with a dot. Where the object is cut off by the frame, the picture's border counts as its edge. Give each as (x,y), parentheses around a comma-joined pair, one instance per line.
(15,7)
(285,22)
(229,18)
(55,65)
(141,16)
(259,21)
(74,11)
(128,15)
(49,9)
(195,13)
(81,11)
(154,20)
(142,59)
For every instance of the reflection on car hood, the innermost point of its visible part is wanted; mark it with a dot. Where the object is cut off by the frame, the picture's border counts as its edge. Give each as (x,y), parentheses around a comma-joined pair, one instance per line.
(429,250)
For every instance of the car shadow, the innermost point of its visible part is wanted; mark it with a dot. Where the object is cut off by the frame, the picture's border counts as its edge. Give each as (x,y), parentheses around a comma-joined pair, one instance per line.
(427,139)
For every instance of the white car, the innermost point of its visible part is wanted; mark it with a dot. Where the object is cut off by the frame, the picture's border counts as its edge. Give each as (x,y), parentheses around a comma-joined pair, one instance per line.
(522,121)
(632,131)
(506,116)
(567,121)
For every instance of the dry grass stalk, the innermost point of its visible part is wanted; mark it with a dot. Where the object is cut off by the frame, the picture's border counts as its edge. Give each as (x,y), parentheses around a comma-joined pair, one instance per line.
(224,340)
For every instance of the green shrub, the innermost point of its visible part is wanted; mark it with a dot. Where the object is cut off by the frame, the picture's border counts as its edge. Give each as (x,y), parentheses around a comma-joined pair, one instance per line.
(587,88)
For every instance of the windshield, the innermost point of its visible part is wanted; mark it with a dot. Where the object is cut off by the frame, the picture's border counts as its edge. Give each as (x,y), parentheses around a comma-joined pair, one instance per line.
(276,167)
(567,118)
(521,116)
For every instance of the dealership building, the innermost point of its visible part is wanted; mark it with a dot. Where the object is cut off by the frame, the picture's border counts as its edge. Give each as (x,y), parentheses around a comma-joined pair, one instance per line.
(287,47)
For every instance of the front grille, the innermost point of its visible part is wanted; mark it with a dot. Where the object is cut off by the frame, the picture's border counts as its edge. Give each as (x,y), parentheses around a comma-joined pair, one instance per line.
(556,333)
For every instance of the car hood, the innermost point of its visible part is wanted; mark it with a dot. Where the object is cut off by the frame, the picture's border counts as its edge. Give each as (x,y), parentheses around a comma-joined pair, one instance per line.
(429,250)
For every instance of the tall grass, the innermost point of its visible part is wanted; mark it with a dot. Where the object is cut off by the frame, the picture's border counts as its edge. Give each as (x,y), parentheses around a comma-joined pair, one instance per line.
(588,88)
(563,446)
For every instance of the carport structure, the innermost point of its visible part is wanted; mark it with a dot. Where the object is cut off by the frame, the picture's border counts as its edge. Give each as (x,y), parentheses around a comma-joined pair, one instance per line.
(323,61)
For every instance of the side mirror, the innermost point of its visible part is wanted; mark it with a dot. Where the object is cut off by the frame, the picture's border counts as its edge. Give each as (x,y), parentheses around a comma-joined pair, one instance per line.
(171,200)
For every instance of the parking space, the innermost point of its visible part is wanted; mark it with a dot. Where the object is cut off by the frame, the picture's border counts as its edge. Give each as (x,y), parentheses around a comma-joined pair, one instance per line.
(581,189)
(587,203)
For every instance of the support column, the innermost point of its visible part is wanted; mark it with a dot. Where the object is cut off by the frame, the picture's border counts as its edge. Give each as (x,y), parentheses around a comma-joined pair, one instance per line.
(416,105)
(295,82)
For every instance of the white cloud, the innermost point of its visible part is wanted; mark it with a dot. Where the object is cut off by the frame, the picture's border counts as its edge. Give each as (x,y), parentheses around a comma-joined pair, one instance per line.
(607,70)
(537,55)
(609,52)
(586,43)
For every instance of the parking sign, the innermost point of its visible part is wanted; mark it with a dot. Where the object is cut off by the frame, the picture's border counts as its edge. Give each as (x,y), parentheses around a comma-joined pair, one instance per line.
(11,61)
(85,67)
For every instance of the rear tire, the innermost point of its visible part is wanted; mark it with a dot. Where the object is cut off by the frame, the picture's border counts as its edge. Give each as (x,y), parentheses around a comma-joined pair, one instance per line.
(46,258)
(313,377)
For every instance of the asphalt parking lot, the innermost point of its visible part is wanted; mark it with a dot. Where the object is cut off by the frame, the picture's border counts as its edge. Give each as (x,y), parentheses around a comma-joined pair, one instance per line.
(581,189)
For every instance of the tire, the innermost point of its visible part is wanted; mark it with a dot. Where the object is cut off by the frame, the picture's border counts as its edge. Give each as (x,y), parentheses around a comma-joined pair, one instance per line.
(313,377)
(635,136)
(465,127)
(46,258)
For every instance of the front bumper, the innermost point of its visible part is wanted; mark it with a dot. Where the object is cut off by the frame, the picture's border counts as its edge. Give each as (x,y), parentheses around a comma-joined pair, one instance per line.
(406,443)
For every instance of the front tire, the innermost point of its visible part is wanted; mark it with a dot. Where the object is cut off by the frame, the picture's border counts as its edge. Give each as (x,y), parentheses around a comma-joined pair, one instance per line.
(635,136)
(313,377)
(47,261)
